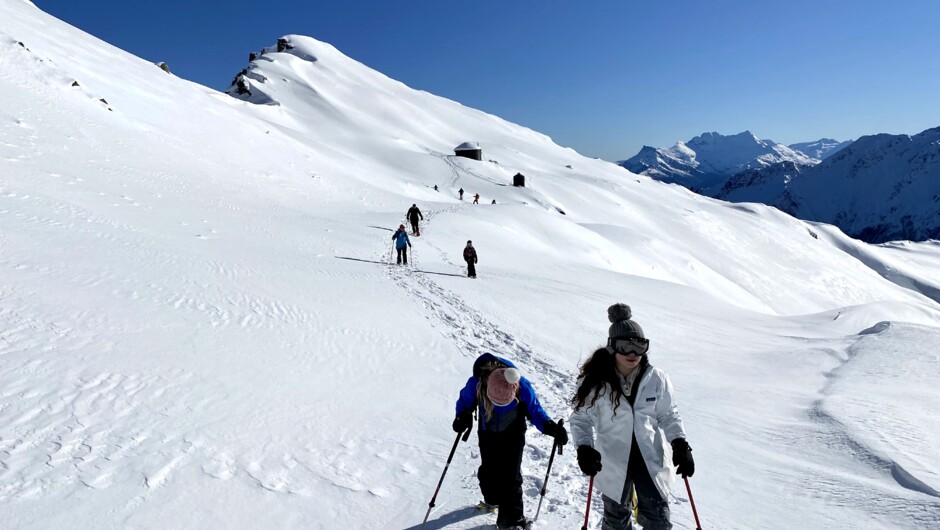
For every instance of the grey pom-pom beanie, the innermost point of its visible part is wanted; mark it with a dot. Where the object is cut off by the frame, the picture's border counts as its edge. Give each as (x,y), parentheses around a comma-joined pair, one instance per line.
(621,326)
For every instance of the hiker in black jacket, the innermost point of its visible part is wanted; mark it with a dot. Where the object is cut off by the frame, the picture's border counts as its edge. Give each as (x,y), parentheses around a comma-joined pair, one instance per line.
(413,215)
(470,256)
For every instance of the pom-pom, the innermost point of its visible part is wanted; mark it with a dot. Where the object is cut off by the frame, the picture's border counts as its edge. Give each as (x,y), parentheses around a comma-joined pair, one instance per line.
(512,376)
(618,312)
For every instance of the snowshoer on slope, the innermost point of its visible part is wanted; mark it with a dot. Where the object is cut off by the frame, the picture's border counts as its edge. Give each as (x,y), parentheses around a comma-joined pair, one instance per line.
(624,412)
(413,215)
(503,400)
(470,256)
(460,191)
(400,237)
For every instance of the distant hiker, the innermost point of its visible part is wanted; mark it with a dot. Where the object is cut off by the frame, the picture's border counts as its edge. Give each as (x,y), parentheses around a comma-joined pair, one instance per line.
(401,244)
(476,199)
(624,412)
(494,201)
(470,256)
(413,215)
(503,399)
(460,191)
(435,188)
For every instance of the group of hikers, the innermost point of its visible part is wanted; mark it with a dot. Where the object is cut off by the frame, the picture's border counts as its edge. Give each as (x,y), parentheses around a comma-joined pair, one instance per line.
(624,411)
(403,243)
(476,196)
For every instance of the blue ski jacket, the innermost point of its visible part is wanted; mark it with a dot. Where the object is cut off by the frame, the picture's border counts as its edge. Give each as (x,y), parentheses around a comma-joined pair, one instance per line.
(401,239)
(528,401)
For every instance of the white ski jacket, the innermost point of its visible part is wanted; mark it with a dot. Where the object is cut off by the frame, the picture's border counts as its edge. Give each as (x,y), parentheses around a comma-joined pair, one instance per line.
(653,417)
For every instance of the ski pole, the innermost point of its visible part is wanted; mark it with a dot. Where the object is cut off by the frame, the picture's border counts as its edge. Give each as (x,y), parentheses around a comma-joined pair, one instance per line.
(587,511)
(545,482)
(698,525)
(449,458)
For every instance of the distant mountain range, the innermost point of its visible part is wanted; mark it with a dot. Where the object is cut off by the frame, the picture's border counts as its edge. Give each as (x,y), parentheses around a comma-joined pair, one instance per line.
(878,188)
(705,162)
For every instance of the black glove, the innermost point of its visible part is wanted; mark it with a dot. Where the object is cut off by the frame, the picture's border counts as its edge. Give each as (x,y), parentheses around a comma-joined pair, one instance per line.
(558,432)
(682,457)
(463,421)
(589,460)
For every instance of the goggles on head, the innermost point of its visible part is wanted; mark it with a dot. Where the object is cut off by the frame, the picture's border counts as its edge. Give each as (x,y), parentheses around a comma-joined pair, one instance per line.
(626,346)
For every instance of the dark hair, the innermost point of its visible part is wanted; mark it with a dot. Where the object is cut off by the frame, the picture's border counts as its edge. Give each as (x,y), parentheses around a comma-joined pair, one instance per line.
(599,371)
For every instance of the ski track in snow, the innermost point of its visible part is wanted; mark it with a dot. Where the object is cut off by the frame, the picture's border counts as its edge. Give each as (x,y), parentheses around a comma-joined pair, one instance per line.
(456,168)
(472,334)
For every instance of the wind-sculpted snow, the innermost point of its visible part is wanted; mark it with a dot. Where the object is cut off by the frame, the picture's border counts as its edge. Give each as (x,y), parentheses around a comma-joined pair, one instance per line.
(876,410)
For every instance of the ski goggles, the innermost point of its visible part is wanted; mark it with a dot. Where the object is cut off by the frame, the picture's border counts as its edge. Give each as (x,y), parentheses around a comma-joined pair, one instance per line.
(626,346)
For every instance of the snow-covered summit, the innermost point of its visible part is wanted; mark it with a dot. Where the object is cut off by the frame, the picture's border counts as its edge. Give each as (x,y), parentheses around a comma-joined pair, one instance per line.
(706,161)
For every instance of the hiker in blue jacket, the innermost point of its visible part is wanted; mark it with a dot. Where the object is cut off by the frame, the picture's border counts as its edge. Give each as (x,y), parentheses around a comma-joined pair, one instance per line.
(503,400)
(401,244)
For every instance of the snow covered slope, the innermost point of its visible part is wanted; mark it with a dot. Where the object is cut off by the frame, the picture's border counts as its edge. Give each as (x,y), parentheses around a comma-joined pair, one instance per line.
(764,184)
(880,188)
(199,326)
(820,149)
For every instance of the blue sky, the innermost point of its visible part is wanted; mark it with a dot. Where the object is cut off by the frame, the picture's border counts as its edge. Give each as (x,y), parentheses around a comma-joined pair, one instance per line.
(603,76)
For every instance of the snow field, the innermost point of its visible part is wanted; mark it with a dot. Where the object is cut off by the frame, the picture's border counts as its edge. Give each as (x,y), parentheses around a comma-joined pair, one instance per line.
(199,327)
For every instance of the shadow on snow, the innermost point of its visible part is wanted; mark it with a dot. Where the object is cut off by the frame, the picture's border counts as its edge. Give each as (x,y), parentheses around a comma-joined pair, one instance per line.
(455,516)
(387,263)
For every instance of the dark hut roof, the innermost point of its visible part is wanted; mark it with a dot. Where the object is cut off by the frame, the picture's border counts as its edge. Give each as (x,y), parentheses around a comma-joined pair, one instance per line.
(468,146)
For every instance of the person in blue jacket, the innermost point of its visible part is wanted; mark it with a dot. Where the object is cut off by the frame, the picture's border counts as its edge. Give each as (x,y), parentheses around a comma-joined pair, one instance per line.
(401,244)
(503,400)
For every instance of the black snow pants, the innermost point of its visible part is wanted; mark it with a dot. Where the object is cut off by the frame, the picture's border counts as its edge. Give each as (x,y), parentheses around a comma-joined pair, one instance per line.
(500,472)
(471,269)
(652,509)
(403,255)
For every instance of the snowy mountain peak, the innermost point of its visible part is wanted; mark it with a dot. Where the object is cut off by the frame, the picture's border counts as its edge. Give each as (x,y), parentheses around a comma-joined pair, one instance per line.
(744,137)
(705,162)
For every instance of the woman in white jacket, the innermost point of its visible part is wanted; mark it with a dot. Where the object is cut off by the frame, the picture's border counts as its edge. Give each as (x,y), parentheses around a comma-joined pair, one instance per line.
(624,412)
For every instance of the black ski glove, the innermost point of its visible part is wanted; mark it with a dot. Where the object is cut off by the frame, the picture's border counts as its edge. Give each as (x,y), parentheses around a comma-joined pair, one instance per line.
(682,457)
(463,421)
(589,460)
(558,432)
